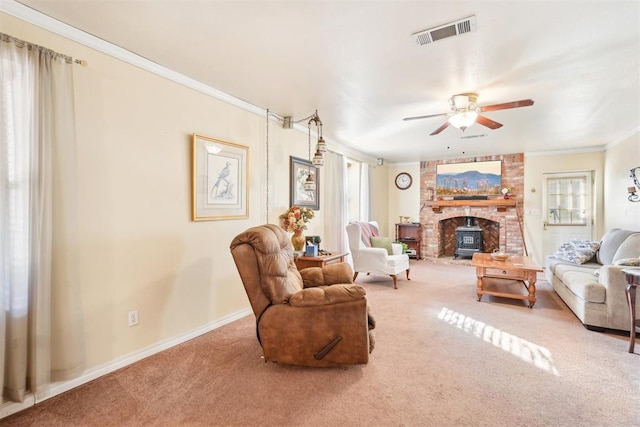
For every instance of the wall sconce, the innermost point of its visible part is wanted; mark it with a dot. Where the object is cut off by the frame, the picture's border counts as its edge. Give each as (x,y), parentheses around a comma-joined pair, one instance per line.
(633,190)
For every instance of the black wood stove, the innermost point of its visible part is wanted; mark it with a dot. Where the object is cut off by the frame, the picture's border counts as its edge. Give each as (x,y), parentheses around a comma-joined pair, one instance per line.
(468,239)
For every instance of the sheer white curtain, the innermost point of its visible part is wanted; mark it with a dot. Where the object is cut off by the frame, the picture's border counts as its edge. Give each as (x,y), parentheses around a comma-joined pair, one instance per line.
(365,193)
(336,212)
(40,316)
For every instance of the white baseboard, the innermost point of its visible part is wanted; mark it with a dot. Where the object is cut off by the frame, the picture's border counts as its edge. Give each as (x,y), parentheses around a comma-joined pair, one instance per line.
(8,408)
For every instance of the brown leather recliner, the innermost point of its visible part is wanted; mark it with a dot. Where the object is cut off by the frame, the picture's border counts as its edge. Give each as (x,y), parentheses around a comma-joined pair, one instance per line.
(312,317)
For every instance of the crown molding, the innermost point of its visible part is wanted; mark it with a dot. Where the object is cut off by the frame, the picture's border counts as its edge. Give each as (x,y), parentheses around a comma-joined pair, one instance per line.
(581,150)
(623,137)
(24,13)
(39,19)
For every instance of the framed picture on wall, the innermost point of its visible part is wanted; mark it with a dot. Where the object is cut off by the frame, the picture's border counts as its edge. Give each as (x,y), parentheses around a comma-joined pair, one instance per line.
(299,170)
(469,178)
(220,179)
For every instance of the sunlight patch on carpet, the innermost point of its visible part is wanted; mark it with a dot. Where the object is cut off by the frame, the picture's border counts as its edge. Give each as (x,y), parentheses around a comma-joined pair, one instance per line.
(538,356)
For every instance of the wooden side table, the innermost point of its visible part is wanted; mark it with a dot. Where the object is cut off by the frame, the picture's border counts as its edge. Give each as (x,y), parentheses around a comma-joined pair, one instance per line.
(319,261)
(411,234)
(633,280)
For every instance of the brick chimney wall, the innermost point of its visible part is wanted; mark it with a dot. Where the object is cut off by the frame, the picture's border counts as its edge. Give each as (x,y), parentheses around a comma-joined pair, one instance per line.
(435,236)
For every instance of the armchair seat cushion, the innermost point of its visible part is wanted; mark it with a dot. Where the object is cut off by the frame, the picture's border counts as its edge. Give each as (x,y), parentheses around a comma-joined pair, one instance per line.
(397,260)
(325,295)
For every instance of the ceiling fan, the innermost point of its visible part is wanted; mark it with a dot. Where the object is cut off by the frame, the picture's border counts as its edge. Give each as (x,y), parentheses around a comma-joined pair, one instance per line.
(465,112)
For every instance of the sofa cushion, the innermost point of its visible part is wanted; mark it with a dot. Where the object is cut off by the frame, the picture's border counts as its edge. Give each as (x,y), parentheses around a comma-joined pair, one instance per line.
(630,248)
(582,282)
(610,243)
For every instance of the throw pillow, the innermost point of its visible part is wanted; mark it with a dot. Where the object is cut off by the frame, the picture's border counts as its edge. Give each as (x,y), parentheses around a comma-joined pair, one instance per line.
(382,242)
(574,255)
(585,244)
(631,262)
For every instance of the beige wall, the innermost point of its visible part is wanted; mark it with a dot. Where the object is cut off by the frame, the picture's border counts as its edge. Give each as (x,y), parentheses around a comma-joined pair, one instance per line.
(618,162)
(403,202)
(139,249)
(534,168)
(611,171)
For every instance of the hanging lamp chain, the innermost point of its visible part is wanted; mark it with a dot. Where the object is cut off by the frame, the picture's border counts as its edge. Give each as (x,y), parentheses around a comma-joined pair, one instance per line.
(267,161)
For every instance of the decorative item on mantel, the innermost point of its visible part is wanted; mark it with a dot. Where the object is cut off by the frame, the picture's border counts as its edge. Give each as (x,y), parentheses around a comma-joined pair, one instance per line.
(505,192)
(295,220)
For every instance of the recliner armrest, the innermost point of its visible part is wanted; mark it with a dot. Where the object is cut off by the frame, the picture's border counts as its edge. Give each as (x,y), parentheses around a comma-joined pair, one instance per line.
(327,295)
(338,273)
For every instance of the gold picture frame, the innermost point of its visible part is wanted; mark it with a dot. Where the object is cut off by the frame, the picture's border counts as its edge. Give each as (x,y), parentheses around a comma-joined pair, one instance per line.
(220,179)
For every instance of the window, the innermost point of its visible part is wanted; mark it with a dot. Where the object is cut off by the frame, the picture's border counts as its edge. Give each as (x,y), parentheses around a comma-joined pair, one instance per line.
(567,200)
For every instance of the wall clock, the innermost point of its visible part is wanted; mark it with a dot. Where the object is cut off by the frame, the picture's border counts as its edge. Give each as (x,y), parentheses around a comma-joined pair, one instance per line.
(403,180)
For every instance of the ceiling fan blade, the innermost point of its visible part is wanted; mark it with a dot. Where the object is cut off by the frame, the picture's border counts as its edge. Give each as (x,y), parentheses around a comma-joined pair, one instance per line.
(507,105)
(425,117)
(440,129)
(484,121)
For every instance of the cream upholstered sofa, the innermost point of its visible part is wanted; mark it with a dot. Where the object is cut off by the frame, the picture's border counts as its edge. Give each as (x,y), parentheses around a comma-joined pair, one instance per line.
(595,290)
(367,258)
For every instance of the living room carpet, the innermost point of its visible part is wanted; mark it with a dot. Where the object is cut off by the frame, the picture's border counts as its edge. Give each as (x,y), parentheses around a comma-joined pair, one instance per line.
(441,359)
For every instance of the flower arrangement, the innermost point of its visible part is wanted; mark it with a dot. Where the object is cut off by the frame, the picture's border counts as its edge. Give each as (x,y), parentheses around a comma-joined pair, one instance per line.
(296,218)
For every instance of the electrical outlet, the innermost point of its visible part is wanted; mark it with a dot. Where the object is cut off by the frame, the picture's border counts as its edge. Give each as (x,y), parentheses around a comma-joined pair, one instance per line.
(133,318)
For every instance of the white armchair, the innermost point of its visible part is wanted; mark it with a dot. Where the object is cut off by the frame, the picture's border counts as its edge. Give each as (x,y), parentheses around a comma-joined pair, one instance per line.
(368,259)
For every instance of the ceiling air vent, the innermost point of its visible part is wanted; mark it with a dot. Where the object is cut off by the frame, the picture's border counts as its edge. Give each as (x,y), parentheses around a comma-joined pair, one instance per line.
(462,26)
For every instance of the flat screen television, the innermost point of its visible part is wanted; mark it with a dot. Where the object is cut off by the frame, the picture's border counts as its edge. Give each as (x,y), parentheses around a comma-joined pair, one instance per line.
(469,179)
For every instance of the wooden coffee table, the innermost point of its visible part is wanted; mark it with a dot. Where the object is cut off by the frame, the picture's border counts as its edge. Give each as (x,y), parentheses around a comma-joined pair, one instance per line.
(520,268)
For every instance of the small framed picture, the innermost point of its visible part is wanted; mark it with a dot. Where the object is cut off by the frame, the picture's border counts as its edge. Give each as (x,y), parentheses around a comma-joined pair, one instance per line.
(299,170)
(220,179)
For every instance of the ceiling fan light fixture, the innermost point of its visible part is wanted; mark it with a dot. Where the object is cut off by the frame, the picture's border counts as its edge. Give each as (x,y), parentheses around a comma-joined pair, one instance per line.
(463,119)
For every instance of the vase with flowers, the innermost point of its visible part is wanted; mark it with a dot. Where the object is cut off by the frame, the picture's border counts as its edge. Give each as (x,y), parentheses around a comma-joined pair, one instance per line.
(295,220)
(505,192)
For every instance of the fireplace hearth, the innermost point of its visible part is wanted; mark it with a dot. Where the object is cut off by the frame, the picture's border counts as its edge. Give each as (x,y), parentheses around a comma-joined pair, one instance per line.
(468,239)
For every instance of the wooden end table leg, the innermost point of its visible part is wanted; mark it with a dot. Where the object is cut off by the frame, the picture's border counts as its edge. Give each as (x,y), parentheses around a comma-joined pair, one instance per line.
(630,291)
(532,289)
(479,288)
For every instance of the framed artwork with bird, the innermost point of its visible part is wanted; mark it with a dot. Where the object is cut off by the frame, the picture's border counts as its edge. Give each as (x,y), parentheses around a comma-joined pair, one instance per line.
(219,179)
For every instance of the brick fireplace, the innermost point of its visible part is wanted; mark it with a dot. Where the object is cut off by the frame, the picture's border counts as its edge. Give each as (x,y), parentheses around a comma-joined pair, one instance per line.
(499,219)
